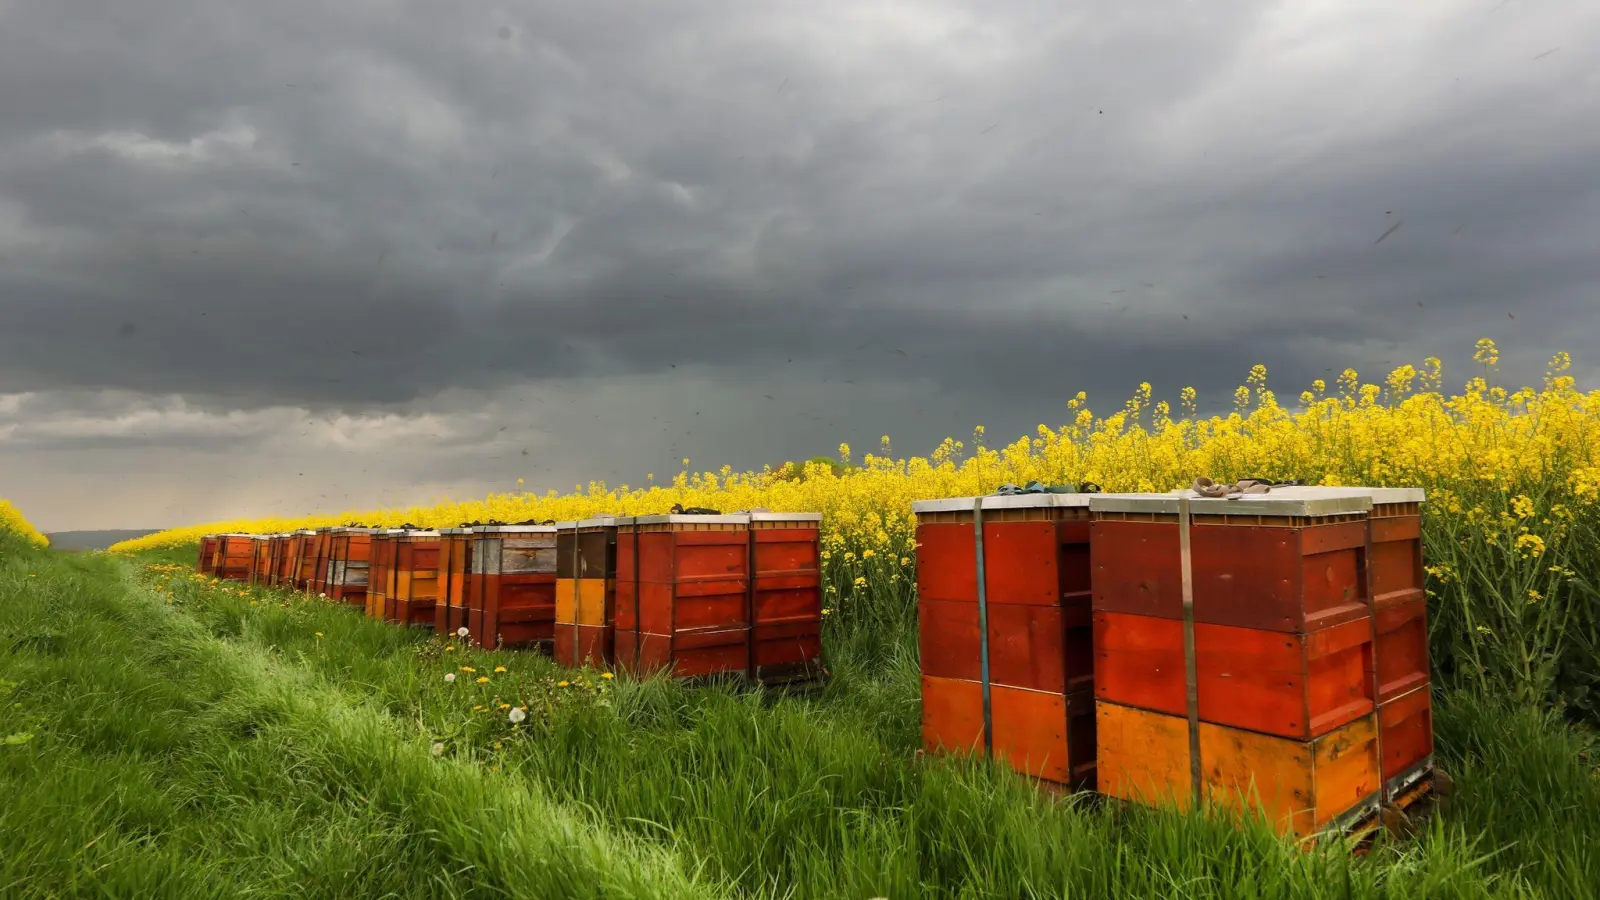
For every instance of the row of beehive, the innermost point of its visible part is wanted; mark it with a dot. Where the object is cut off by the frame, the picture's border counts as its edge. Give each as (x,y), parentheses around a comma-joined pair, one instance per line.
(1159,647)
(697,594)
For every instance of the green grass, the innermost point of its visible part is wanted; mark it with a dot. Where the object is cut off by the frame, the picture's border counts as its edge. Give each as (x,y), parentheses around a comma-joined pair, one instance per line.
(216,745)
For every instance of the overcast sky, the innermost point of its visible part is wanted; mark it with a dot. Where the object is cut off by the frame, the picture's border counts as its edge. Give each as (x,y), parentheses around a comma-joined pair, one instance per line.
(273,258)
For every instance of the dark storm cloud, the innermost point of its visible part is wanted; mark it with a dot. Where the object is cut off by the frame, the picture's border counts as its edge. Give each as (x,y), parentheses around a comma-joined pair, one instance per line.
(927,214)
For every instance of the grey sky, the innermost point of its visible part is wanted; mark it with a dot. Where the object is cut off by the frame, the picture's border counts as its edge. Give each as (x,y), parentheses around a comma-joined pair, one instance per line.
(272,258)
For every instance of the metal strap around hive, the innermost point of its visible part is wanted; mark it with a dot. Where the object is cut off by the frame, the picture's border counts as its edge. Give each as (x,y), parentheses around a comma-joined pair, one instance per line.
(751,670)
(983,628)
(1190,681)
(1377,681)
(577,593)
(638,626)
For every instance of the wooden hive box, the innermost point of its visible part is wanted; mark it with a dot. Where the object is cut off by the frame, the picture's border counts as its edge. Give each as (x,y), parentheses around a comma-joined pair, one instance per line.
(1035,632)
(283,561)
(260,559)
(682,599)
(513,598)
(586,587)
(1282,629)
(203,558)
(321,561)
(235,554)
(305,559)
(1400,604)
(380,572)
(1302,787)
(349,562)
(455,580)
(786,597)
(414,579)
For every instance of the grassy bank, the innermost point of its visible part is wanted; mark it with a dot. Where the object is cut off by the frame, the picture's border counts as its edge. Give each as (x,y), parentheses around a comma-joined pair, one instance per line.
(180,738)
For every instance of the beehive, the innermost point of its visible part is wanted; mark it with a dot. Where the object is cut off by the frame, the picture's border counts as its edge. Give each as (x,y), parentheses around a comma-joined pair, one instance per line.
(283,561)
(1247,647)
(455,580)
(786,601)
(682,599)
(349,561)
(512,601)
(260,558)
(321,561)
(234,555)
(305,559)
(414,579)
(586,586)
(1008,670)
(203,560)
(380,571)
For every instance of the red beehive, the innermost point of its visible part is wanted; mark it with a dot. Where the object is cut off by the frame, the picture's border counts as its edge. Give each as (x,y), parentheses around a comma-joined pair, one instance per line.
(203,560)
(414,579)
(260,559)
(682,601)
(513,598)
(349,559)
(283,561)
(1254,643)
(321,561)
(380,571)
(305,559)
(1034,606)
(586,587)
(455,580)
(786,598)
(234,554)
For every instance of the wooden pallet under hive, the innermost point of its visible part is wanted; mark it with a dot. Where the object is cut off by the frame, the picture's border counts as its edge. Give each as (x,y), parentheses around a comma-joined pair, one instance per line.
(1008,670)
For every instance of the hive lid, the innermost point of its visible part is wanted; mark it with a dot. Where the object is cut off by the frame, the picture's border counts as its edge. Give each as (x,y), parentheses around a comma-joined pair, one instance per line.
(354,529)
(1285,501)
(308,531)
(460,529)
(685,518)
(515,529)
(1008,501)
(602,522)
(420,532)
(785,517)
(1379,495)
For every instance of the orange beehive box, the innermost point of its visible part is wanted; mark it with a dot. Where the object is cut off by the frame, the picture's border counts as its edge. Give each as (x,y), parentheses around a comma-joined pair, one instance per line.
(586,587)
(413,579)
(283,561)
(380,571)
(260,558)
(455,580)
(349,557)
(683,594)
(1303,787)
(1008,670)
(513,598)
(234,554)
(305,557)
(203,560)
(321,561)
(786,597)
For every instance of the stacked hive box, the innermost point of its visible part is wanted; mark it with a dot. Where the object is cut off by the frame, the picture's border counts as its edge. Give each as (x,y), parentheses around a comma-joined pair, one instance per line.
(512,601)
(1004,631)
(413,579)
(682,600)
(260,558)
(1399,603)
(380,571)
(1234,653)
(586,586)
(321,561)
(305,559)
(233,555)
(786,598)
(283,561)
(205,563)
(455,580)
(349,559)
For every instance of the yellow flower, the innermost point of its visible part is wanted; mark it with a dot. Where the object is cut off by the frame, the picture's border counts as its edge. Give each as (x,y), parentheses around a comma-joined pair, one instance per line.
(563,684)
(607,676)
(319,634)
(499,668)
(483,679)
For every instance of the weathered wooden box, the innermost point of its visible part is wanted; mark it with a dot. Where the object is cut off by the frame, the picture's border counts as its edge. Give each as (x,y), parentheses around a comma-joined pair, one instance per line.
(586,586)
(512,602)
